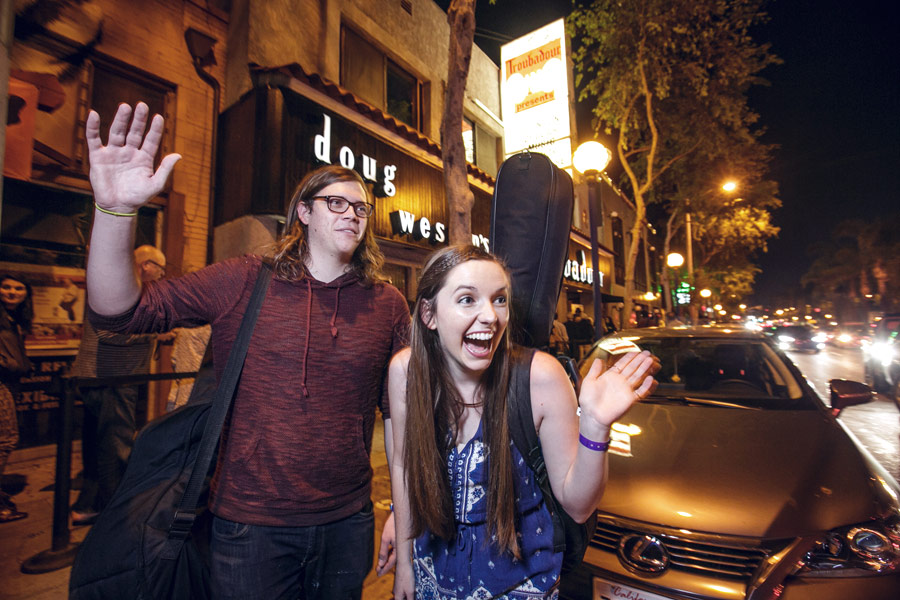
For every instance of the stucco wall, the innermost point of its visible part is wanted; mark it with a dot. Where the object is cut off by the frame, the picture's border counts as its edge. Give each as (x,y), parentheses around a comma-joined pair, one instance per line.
(308,32)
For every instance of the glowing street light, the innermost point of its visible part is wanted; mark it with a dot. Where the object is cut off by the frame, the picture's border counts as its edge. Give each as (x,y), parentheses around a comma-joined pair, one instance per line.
(590,159)
(705,293)
(729,186)
(674,260)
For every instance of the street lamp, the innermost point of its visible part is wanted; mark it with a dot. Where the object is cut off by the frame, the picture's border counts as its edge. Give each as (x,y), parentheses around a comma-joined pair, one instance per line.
(674,260)
(590,159)
(728,186)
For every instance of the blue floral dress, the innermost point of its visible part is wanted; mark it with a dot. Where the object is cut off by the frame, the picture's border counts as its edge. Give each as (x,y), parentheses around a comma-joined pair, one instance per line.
(470,567)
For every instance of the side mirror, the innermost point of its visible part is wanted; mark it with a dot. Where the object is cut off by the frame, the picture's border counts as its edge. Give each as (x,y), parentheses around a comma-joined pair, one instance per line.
(846,393)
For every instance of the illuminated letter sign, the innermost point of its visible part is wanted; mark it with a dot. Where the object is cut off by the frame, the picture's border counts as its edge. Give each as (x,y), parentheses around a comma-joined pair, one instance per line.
(534,92)
(578,270)
(404,222)
(347,159)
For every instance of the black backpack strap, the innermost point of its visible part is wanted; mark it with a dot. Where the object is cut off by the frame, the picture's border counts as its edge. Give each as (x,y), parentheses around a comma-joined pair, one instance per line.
(221,403)
(524,436)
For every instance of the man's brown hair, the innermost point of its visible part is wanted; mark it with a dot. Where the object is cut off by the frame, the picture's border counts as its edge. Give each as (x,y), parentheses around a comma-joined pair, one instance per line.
(291,251)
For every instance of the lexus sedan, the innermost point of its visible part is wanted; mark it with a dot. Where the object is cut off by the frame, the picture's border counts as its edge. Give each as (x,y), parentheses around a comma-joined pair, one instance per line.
(735,480)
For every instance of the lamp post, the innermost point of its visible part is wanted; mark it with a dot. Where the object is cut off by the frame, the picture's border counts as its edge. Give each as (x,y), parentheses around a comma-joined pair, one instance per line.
(590,159)
(692,308)
(729,186)
(673,261)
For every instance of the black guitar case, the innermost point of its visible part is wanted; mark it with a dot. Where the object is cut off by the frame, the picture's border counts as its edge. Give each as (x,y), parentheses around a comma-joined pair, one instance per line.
(531,216)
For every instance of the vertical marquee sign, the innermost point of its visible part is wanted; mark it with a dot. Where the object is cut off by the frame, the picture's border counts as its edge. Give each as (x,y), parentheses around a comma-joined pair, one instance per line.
(534,90)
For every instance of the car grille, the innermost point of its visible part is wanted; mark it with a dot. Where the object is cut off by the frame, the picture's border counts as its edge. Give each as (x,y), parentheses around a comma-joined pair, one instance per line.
(688,555)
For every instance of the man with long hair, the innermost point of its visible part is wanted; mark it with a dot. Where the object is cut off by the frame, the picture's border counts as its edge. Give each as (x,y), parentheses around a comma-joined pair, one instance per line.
(291,491)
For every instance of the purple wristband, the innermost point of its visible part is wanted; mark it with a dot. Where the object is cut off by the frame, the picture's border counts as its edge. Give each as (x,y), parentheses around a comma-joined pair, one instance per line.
(592,445)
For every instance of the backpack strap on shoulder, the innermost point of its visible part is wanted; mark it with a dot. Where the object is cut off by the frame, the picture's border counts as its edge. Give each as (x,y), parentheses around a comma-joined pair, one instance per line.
(524,436)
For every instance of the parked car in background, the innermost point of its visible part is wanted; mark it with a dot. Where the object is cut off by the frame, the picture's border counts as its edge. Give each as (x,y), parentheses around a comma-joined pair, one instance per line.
(798,338)
(735,480)
(881,356)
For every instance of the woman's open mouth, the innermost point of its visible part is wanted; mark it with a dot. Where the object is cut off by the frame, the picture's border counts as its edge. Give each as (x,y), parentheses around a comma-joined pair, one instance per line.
(479,344)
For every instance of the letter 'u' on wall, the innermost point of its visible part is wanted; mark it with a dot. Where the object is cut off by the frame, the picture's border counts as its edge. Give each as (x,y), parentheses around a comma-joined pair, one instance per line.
(23,104)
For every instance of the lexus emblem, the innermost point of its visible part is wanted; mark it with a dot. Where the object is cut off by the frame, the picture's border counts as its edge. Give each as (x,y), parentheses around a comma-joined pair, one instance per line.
(643,553)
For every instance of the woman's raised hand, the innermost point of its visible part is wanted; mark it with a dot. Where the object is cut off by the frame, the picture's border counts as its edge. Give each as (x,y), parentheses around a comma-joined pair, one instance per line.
(607,393)
(122,173)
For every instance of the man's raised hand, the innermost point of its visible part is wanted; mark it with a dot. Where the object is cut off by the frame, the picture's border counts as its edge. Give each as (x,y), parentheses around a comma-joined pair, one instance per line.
(122,173)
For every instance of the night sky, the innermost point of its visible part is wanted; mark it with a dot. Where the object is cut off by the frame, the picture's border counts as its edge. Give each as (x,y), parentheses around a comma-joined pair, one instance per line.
(833,108)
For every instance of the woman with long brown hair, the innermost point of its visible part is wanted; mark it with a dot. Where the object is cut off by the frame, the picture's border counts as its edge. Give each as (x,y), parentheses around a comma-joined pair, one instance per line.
(16,314)
(470,519)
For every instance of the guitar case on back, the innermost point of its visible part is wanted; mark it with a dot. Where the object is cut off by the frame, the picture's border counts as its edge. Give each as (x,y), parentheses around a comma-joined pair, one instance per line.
(531,215)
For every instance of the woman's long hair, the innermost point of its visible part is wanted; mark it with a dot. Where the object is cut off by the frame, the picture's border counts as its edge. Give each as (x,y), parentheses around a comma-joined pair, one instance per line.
(434,407)
(291,250)
(23,314)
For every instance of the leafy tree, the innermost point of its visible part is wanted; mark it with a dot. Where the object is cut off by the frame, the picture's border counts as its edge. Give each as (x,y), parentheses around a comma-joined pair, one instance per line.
(669,78)
(860,261)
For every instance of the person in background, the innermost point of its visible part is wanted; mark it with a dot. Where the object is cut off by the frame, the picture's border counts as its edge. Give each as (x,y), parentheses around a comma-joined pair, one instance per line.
(672,320)
(291,494)
(559,337)
(188,350)
(471,520)
(109,422)
(610,325)
(16,315)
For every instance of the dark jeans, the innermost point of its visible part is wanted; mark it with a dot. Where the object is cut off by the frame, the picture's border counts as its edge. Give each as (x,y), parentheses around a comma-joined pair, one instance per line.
(320,562)
(107,439)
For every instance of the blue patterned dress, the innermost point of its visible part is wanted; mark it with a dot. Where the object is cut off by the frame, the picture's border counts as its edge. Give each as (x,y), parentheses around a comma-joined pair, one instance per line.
(470,567)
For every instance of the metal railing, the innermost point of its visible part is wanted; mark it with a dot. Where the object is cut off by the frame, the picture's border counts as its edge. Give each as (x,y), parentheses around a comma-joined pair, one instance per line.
(62,551)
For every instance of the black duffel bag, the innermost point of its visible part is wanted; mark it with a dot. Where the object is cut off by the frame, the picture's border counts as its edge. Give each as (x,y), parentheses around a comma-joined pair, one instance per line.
(151,541)
(124,554)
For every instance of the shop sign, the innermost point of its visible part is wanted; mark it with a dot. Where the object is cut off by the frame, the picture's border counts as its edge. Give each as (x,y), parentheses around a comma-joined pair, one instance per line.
(368,166)
(683,293)
(534,94)
(577,270)
(404,222)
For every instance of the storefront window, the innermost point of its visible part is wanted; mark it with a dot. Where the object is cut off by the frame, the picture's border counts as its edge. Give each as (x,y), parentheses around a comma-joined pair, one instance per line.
(375,78)
(481,146)
(468,135)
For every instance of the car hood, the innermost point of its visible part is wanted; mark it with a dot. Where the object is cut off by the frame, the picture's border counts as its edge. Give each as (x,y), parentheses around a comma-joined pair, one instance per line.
(759,473)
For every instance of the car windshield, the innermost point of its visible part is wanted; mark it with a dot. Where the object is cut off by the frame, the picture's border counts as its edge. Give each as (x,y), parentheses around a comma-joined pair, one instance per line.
(739,372)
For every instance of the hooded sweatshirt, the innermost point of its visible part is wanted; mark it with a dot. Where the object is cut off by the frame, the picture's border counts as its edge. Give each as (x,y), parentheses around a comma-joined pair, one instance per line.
(295,449)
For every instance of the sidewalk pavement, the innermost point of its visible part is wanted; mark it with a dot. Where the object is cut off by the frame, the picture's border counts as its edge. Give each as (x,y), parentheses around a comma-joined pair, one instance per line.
(29,477)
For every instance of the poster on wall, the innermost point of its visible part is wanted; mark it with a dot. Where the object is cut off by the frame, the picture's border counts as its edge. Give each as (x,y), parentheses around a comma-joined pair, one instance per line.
(534,94)
(58,295)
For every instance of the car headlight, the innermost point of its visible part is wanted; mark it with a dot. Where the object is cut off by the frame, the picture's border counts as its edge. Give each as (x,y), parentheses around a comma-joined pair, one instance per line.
(883,352)
(820,338)
(785,338)
(856,550)
(845,338)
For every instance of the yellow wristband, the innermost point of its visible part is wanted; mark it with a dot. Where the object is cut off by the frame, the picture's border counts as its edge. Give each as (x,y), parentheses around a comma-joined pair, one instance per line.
(113,213)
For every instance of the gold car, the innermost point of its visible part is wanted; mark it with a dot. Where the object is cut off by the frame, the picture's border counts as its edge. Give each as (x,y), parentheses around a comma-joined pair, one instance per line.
(734,480)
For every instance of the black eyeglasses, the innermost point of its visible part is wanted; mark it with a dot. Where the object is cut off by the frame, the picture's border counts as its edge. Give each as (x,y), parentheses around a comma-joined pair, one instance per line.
(339,205)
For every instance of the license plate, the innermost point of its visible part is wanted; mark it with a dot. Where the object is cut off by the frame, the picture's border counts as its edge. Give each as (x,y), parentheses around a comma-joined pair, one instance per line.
(605,590)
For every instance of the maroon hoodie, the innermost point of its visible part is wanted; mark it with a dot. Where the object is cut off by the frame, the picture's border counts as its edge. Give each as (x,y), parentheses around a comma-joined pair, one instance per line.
(296,447)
